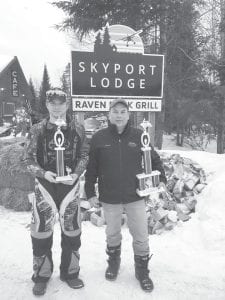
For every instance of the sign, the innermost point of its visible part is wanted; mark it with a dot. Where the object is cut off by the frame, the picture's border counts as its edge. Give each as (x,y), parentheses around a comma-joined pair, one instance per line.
(92,104)
(118,74)
(113,66)
(14,84)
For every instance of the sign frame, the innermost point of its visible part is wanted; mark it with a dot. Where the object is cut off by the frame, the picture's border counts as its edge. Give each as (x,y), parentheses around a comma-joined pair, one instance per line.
(97,96)
(82,104)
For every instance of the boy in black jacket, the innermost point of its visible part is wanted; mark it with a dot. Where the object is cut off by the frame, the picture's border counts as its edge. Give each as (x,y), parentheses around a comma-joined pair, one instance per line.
(115,159)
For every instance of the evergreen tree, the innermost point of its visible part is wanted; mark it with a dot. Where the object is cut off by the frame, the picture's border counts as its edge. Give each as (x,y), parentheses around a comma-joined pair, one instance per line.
(170,27)
(182,70)
(66,85)
(34,97)
(85,15)
(65,80)
(106,44)
(45,86)
(98,43)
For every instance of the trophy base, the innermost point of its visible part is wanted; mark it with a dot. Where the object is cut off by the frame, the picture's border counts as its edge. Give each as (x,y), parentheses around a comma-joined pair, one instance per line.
(63,178)
(147,192)
(145,176)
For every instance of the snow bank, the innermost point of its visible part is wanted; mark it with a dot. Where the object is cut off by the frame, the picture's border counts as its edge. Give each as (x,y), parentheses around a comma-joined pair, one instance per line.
(188,262)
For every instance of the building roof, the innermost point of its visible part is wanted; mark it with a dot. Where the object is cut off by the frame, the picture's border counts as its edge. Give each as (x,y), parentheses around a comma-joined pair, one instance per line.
(4,61)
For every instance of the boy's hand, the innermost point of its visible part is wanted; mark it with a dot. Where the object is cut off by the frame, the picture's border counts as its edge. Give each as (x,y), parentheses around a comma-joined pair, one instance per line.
(50,176)
(94,202)
(162,186)
(71,182)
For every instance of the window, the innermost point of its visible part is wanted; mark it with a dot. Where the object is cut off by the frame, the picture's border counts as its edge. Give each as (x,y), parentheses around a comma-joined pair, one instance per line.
(8,109)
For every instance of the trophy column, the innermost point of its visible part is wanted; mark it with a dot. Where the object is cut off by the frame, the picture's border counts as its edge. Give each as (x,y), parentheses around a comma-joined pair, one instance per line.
(148,180)
(59,141)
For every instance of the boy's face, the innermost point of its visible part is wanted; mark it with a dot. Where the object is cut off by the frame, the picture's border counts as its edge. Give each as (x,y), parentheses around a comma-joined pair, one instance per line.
(56,108)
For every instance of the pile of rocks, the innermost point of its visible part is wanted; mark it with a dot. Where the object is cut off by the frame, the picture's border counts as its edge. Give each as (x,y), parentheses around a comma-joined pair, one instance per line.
(186,179)
(164,208)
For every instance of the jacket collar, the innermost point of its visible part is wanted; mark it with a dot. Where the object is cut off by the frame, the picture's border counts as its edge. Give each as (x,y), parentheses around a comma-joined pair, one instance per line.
(113,129)
(50,125)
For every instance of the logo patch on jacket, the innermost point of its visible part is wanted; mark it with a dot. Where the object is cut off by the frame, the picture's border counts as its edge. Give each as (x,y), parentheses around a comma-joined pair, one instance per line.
(132,144)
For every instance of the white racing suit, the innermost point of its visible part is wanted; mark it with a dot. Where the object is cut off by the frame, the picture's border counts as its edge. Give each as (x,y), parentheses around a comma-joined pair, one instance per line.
(50,199)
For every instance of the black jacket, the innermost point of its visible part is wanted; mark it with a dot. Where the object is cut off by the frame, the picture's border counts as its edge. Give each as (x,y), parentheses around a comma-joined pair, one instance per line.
(115,160)
(40,154)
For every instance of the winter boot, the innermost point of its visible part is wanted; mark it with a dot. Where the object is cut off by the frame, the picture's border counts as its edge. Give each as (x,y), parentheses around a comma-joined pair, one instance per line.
(73,283)
(39,288)
(113,262)
(142,272)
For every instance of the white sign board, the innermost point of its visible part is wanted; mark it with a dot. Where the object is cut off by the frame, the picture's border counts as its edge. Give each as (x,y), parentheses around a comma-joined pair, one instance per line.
(93,104)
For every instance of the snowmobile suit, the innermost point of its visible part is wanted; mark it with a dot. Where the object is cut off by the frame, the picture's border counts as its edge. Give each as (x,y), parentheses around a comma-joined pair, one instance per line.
(44,212)
(50,199)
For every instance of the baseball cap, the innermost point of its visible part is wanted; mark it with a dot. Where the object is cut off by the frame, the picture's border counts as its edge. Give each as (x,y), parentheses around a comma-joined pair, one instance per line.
(54,94)
(116,101)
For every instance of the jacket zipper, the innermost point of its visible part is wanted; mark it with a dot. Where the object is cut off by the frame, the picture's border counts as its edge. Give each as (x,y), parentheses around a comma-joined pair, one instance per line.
(120,162)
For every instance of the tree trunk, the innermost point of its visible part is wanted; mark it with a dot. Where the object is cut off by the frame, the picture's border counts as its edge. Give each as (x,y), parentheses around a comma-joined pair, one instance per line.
(220,126)
(160,117)
(159,121)
(220,131)
(220,139)
(180,139)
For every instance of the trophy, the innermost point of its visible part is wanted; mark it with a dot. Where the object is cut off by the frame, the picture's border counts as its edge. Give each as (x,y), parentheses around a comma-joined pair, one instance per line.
(59,141)
(148,181)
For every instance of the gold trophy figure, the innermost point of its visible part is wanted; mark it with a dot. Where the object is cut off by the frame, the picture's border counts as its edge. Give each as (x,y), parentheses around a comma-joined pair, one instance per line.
(59,141)
(148,180)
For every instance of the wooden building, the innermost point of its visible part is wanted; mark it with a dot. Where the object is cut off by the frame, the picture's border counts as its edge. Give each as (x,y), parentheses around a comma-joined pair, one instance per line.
(14,89)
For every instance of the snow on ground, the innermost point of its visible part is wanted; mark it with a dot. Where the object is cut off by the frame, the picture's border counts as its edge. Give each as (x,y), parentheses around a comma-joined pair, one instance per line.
(169,142)
(188,262)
